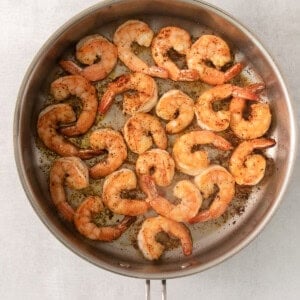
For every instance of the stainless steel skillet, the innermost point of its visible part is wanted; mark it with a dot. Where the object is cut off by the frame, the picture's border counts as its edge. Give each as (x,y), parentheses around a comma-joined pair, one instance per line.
(212,244)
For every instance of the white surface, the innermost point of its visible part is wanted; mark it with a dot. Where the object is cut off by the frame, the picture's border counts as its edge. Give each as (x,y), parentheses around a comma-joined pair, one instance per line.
(35,265)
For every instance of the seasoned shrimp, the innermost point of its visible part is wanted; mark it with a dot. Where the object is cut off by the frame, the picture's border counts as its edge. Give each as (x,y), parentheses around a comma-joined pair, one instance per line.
(83,220)
(143,100)
(113,142)
(209,119)
(139,32)
(88,51)
(210,48)
(142,130)
(178,39)
(121,181)
(48,123)
(146,238)
(189,194)
(78,86)
(247,168)
(188,158)
(259,120)
(176,107)
(71,171)
(159,164)
(214,175)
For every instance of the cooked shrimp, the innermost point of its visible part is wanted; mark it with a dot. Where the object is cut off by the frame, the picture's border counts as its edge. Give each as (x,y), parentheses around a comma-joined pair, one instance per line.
(259,120)
(209,119)
(139,32)
(48,123)
(83,220)
(116,183)
(113,142)
(189,194)
(214,175)
(176,107)
(190,161)
(159,164)
(178,39)
(142,130)
(88,51)
(78,86)
(152,249)
(71,171)
(247,168)
(143,100)
(210,48)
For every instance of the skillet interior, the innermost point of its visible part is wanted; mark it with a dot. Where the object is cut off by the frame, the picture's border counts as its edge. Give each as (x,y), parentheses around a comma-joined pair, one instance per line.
(212,243)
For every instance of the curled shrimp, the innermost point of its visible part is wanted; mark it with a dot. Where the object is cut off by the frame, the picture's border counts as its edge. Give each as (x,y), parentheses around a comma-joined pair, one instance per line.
(139,32)
(77,86)
(71,171)
(178,39)
(113,142)
(176,107)
(214,175)
(142,100)
(247,168)
(259,120)
(47,127)
(142,130)
(211,48)
(83,220)
(185,190)
(117,183)
(188,158)
(159,164)
(88,51)
(146,238)
(209,119)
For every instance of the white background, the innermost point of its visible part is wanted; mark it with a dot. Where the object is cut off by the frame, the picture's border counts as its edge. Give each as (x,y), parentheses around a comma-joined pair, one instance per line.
(34,265)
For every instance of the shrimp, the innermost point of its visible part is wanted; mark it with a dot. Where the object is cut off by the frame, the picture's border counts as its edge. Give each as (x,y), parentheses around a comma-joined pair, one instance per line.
(48,123)
(188,158)
(185,190)
(159,164)
(143,100)
(214,175)
(209,119)
(78,86)
(74,173)
(83,220)
(176,107)
(113,142)
(258,122)
(152,249)
(88,51)
(121,181)
(139,32)
(141,130)
(247,168)
(178,39)
(211,48)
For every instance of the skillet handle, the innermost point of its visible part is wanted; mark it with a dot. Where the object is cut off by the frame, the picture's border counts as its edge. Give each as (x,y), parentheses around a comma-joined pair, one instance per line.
(163,291)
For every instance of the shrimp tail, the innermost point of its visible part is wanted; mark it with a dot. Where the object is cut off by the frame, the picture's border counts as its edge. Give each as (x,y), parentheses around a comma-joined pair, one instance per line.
(89,153)
(202,216)
(66,210)
(244,93)
(106,102)
(233,71)
(256,87)
(125,223)
(263,143)
(70,67)
(147,185)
